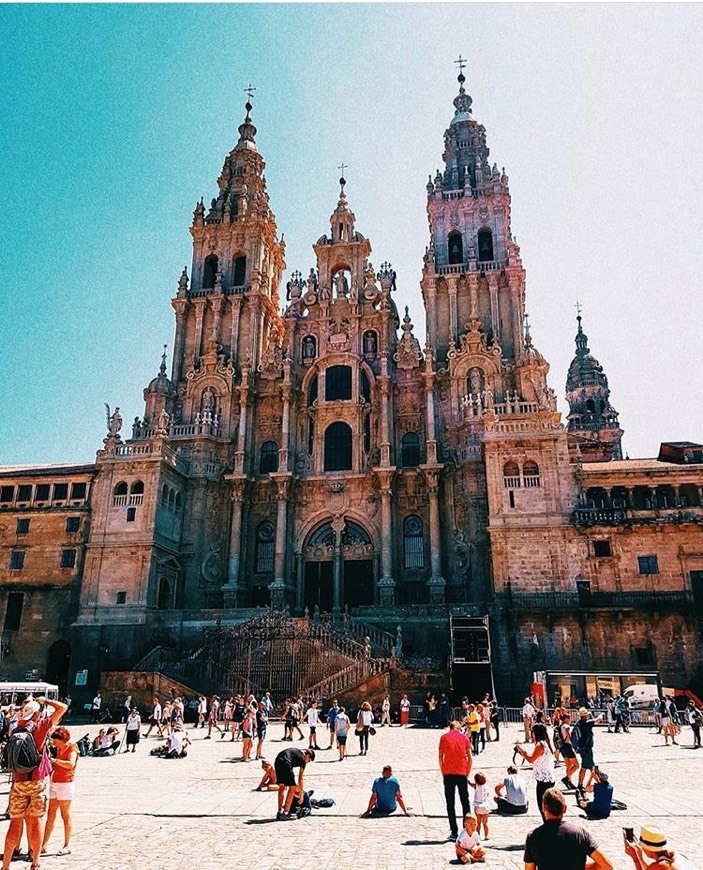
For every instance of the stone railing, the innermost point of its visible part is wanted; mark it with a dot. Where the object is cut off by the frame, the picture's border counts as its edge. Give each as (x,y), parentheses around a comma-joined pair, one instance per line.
(470,266)
(237,290)
(585,600)
(348,678)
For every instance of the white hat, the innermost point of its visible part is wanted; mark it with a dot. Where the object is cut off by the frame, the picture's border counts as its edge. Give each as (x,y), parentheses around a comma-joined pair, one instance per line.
(29,709)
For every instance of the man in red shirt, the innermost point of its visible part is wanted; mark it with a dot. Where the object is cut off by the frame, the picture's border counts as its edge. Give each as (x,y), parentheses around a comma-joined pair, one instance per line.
(455,767)
(30,791)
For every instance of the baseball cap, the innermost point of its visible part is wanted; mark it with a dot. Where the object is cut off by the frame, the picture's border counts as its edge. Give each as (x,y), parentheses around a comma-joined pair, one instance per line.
(29,709)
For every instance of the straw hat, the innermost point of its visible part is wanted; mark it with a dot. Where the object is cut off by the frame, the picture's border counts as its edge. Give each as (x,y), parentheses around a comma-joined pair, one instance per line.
(652,839)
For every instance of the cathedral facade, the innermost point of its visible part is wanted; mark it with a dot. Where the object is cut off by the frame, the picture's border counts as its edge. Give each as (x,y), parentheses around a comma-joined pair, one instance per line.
(307,453)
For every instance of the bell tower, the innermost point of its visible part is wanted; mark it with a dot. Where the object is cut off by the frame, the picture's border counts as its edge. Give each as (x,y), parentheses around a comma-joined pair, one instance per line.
(226,310)
(472,269)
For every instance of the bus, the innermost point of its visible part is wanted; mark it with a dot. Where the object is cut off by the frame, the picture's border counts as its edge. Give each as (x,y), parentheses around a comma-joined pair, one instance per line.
(14,693)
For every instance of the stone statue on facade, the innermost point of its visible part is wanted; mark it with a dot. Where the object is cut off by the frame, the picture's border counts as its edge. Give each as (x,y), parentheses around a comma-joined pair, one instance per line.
(114,422)
(399,641)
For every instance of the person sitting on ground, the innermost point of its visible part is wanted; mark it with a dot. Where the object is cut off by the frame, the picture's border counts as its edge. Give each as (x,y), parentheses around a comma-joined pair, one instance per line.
(650,852)
(558,845)
(176,742)
(95,745)
(109,742)
(602,803)
(301,806)
(468,844)
(268,780)
(385,795)
(515,801)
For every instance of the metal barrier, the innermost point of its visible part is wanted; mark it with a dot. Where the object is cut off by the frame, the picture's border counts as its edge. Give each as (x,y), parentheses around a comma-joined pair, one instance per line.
(513,716)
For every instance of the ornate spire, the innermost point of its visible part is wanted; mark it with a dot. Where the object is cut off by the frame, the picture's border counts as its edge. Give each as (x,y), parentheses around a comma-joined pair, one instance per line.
(590,413)
(162,367)
(247,130)
(462,102)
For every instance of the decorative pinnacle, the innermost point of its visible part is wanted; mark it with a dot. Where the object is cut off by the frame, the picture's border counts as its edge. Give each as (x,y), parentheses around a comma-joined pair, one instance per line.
(579,309)
(461,78)
(342,179)
(527,324)
(162,367)
(249,91)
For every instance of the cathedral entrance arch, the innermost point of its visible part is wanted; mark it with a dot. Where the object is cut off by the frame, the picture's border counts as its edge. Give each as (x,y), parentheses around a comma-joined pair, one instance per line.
(58,662)
(339,567)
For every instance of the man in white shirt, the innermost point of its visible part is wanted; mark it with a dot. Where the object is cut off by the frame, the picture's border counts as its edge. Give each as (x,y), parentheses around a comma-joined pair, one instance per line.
(155,718)
(341,729)
(313,721)
(95,707)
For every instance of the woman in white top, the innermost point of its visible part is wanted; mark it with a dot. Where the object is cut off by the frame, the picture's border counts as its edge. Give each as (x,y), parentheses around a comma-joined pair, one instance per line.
(364,721)
(134,729)
(542,761)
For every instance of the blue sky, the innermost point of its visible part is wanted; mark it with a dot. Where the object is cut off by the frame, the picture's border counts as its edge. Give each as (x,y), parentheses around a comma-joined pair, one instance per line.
(116,119)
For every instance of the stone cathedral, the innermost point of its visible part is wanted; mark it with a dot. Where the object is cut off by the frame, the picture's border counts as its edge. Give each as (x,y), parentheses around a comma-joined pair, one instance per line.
(311,454)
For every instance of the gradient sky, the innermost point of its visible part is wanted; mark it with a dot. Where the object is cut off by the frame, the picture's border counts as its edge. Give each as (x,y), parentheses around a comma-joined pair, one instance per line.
(116,119)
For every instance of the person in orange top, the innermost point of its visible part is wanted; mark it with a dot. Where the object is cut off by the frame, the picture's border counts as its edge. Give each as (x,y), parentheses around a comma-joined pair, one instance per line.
(62,787)
(455,767)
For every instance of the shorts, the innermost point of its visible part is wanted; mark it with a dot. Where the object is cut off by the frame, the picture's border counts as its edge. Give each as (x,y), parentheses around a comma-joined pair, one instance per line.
(567,750)
(261,732)
(313,728)
(284,774)
(62,791)
(341,740)
(28,799)
(587,762)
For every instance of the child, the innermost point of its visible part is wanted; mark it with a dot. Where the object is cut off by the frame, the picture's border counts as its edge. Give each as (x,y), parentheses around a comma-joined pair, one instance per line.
(247,730)
(268,780)
(468,844)
(481,802)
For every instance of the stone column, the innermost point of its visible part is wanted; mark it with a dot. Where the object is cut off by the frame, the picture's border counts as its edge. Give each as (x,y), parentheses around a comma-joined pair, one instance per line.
(384,384)
(197,343)
(436,583)
(278,587)
(179,340)
(235,305)
(243,391)
(299,580)
(337,568)
(386,583)
(216,305)
(452,286)
(285,422)
(630,490)
(232,590)
(495,311)
(429,378)
(473,295)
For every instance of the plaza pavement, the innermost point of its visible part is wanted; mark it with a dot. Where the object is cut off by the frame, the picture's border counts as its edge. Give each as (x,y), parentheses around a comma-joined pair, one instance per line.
(134,812)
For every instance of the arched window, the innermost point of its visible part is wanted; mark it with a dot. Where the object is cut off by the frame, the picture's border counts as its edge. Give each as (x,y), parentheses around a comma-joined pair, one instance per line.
(365,387)
(530,474)
(410,450)
(413,543)
(210,267)
(265,547)
(170,499)
(485,245)
(370,343)
(239,271)
(119,494)
(456,248)
(511,475)
(338,383)
(164,496)
(137,488)
(312,392)
(338,447)
(120,488)
(309,347)
(311,434)
(591,406)
(269,457)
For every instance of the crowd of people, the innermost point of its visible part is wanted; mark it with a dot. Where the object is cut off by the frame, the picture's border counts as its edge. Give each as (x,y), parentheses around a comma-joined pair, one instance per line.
(43,785)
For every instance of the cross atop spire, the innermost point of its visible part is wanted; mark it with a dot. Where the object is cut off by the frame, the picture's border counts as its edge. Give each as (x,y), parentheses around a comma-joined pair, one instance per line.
(342,179)
(461,63)
(249,90)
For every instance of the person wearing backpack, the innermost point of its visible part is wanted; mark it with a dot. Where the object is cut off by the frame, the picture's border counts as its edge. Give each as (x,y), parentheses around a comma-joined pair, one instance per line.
(29,762)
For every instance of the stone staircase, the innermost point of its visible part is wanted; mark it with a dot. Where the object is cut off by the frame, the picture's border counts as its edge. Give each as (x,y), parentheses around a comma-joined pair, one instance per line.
(281,654)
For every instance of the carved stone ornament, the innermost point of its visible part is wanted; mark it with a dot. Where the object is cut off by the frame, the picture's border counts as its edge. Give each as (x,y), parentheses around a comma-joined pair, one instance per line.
(408,355)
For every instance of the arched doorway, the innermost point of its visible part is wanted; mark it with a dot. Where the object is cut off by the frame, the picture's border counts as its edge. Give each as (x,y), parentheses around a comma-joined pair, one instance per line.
(58,662)
(339,568)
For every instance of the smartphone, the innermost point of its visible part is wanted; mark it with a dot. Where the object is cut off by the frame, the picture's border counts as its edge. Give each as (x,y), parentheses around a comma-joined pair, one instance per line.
(629,834)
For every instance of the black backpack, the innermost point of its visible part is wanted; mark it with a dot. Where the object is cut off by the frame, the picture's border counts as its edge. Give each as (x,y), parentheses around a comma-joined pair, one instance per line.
(22,753)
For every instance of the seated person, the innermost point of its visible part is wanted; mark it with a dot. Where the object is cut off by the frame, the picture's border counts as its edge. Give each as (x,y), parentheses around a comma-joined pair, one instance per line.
(268,780)
(176,742)
(95,745)
(515,801)
(301,805)
(385,795)
(600,806)
(468,845)
(109,742)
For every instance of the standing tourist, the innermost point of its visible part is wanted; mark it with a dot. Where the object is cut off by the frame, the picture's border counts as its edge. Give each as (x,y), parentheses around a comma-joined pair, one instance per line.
(495,718)
(332,714)
(455,767)
(473,726)
(404,711)
(528,718)
(386,711)
(29,791)
(212,717)
(582,741)
(262,721)
(481,802)
(559,845)
(202,711)
(126,708)
(313,718)
(247,730)
(567,750)
(284,766)
(695,720)
(133,728)
(62,787)
(364,721)
(95,707)
(341,730)
(155,718)
(542,760)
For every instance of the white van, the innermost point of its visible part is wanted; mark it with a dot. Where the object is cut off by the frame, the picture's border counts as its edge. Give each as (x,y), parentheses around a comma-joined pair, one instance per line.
(10,693)
(642,695)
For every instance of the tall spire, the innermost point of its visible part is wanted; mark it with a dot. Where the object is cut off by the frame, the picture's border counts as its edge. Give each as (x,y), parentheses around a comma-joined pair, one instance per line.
(591,416)
(462,102)
(247,130)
